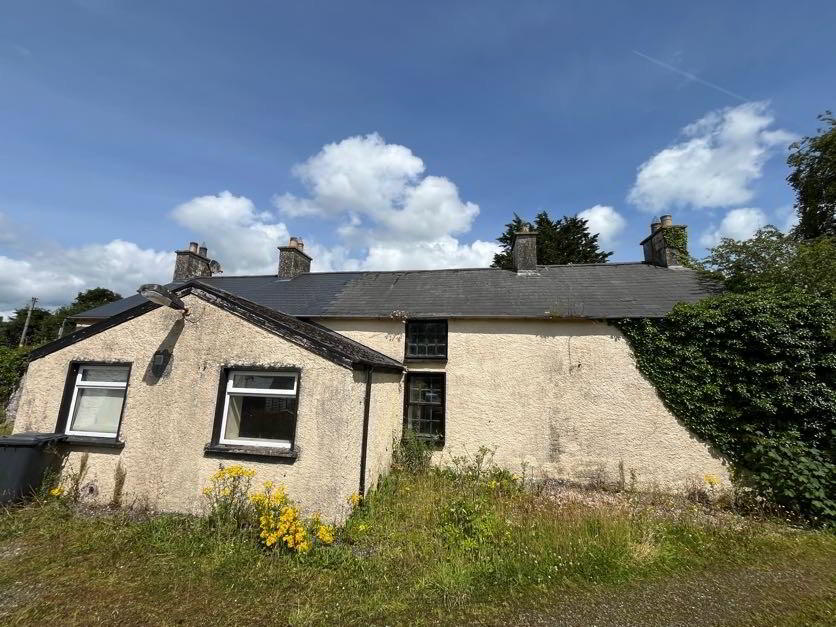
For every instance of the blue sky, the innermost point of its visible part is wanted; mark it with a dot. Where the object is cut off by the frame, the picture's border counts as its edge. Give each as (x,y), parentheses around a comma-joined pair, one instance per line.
(387,135)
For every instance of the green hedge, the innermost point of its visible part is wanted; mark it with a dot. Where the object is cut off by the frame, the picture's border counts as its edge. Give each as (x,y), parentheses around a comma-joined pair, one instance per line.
(755,376)
(12,365)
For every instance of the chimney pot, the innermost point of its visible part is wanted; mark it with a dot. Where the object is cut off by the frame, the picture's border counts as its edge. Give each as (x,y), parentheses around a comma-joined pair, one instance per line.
(655,225)
(203,251)
(193,247)
(667,220)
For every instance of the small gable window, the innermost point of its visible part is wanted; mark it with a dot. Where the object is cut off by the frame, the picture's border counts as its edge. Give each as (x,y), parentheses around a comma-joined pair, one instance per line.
(260,408)
(424,404)
(426,339)
(98,396)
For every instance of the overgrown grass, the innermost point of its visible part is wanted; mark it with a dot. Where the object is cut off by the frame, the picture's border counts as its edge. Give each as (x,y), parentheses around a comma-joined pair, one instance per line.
(427,546)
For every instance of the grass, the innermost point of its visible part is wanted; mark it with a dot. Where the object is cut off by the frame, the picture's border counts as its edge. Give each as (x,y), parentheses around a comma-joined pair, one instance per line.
(426,547)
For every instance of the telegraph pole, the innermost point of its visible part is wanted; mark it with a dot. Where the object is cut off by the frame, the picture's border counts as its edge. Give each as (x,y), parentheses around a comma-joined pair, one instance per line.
(28,318)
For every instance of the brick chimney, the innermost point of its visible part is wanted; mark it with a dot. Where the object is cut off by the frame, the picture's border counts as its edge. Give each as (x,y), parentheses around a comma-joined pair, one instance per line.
(667,244)
(524,251)
(194,262)
(292,259)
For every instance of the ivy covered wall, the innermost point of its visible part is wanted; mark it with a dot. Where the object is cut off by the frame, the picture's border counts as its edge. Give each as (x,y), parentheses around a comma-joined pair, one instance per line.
(755,376)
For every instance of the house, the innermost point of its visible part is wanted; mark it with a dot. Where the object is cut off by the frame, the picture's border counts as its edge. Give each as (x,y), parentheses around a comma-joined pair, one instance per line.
(309,378)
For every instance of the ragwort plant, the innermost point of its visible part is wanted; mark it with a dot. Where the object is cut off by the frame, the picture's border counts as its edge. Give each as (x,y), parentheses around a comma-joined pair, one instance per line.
(227,498)
(279,522)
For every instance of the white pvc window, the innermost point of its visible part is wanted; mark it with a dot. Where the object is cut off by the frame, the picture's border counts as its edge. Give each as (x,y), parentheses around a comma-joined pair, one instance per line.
(260,408)
(98,397)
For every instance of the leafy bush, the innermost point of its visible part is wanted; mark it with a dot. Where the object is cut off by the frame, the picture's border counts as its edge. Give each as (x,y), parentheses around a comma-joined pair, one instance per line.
(754,374)
(412,453)
(12,366)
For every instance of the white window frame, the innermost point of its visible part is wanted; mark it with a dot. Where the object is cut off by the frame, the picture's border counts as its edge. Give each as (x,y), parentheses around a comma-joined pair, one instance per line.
(79,383)
(234,391)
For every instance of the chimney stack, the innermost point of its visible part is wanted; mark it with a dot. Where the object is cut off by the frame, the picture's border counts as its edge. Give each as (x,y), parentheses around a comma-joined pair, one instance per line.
(292,259)
(667,244)
(524,251)
(194,262)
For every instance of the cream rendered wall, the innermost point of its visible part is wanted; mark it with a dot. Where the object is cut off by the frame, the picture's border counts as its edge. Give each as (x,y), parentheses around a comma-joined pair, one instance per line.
(385,423)
(562,397)
(166,424)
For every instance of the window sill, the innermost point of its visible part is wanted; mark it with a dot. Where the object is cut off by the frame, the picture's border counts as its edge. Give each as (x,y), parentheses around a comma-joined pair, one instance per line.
(408,358)
(242,450)
(432,441)
(84,440)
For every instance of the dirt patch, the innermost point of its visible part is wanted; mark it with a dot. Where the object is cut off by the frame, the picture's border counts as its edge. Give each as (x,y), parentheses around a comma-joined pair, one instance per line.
(765,595)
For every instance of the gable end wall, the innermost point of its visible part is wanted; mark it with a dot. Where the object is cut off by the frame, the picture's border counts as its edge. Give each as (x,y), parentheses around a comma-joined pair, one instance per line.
(167,422)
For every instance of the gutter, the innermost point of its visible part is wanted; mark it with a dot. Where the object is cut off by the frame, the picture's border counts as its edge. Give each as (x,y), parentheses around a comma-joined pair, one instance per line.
(365,445)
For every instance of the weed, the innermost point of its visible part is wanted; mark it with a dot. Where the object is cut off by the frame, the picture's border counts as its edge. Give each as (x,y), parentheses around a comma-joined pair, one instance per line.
(119,475)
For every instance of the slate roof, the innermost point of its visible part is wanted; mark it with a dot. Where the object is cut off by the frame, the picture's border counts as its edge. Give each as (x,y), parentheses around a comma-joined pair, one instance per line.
(311,336)
(596,291)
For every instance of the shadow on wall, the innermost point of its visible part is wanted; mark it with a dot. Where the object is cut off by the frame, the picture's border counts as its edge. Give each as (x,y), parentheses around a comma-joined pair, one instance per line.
(159,365)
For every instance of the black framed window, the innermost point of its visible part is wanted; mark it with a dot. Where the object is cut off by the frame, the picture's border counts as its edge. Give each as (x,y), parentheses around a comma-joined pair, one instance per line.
(424,404)
(426,339)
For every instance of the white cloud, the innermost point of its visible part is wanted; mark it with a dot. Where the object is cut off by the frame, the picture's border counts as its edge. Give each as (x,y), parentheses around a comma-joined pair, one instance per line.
(605,221)
(737,224)
(786,218)
(390,216)
(56,275)
(241,238)
(388,208)
(716,163)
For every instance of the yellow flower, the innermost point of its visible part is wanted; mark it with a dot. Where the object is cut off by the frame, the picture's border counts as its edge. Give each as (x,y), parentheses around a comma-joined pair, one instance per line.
(325,534)
(207,491)
(56,491)
(711,480)
(355,499)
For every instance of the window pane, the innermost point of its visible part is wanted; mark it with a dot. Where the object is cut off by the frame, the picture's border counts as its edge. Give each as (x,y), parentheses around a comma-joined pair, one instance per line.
(97,410)
(263,381)
(426,339)
(425,389)
(108,374)
(425,420)
(260,417)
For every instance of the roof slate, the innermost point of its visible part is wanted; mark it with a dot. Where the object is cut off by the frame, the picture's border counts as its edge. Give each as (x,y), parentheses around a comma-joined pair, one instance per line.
(596,291)
(314,337)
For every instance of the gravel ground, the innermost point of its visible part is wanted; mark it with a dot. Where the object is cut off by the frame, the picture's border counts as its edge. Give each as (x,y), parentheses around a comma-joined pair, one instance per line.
(768,595)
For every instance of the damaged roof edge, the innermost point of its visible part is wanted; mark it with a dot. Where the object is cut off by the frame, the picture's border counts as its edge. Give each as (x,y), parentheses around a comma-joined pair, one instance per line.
(315,338)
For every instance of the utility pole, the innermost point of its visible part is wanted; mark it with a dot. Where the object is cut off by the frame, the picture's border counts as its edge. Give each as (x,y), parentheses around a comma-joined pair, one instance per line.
(28,318)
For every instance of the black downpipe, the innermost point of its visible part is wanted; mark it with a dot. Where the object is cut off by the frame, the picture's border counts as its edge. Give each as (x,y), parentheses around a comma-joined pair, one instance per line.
(363,451)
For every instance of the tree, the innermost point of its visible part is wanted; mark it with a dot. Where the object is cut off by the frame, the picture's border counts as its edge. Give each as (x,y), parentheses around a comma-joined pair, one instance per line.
(37,333)
(562,241)
(84,301)
(813,177)
(774,261)
(44,325)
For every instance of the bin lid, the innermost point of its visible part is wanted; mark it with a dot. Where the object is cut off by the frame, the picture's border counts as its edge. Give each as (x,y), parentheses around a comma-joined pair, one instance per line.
(31,438)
